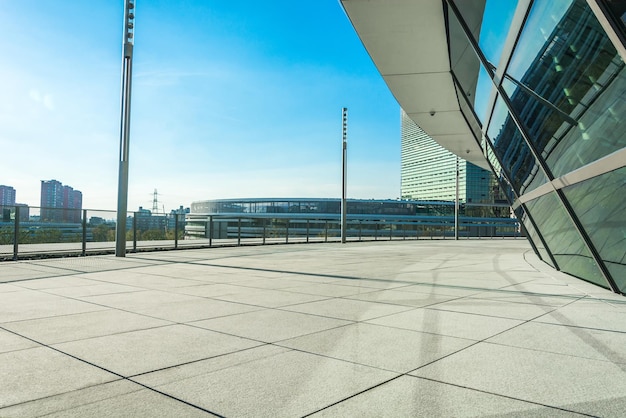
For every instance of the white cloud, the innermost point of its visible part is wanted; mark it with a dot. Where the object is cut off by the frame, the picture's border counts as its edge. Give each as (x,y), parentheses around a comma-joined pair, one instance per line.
(43,99)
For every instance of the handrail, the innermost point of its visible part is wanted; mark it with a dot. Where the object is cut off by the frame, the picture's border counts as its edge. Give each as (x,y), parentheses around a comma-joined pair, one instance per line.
(24,234)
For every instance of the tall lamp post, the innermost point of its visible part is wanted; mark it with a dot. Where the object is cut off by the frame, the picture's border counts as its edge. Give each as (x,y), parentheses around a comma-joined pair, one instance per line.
(127,71)
(344,172)
(456,203)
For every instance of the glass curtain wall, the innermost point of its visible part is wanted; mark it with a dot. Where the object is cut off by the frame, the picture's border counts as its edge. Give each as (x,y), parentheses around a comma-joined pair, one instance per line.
(547,87)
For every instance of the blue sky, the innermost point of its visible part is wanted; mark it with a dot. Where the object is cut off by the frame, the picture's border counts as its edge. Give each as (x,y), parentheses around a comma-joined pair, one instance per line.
(236,98)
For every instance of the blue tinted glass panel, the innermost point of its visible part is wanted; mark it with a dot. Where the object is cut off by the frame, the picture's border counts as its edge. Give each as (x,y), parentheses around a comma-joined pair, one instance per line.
(495,27)
(534,236)
(510,147)
(474,80)
(601,208)
(561,237)
(568,85)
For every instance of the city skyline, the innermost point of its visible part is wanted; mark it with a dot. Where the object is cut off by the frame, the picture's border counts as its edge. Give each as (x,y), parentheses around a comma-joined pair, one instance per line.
(230,99)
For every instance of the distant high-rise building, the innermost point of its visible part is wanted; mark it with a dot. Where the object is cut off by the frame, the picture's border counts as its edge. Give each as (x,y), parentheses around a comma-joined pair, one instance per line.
(60,203)
(7,196)
(428,171)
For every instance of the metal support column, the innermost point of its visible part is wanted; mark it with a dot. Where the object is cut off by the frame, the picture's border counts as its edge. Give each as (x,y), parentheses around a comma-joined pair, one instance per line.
(344,173)
(456,203)
(127,70)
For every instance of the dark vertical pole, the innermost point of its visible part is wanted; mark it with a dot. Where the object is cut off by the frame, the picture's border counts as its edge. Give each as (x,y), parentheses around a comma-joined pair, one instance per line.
(210,231)
(238,231)
(287,231)
(134,232)
(176,231)
(16,232)
(84,252)
(307,230)
(264,226)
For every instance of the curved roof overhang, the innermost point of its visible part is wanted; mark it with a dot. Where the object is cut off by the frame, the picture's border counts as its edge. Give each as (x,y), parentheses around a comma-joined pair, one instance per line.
(407,42)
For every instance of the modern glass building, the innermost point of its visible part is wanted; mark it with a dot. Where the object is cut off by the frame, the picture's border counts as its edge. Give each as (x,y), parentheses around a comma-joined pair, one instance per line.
(535,91)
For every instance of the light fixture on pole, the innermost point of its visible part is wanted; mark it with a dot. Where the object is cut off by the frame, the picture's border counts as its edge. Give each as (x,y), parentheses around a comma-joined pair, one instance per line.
(344,172)
(127,71)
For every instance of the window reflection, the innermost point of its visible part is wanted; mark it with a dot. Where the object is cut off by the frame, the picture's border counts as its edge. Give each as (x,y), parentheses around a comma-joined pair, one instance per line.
(510,147)
(568,249)
(600,207)
(495,27)
(472,76)
(534,236)
(566,82)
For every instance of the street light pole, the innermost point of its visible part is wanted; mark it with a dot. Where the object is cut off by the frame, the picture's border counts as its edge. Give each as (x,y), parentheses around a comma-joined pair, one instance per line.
(344,173)
(127,70)
(456,203)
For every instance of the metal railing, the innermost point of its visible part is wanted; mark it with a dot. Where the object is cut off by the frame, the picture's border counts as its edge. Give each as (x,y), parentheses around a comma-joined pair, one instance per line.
(31,232)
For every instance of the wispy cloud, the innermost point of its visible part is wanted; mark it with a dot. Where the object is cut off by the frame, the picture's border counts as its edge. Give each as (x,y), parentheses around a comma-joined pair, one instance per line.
(44,99)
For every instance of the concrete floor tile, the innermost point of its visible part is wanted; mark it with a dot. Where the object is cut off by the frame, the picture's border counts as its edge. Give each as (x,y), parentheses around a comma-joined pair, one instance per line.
(506,295)
(210,290)
(71,399)
(194,310)
(65,328)
(12,342)
(203,367)
(378,346)
(270,325)
(35,373)
(269,298)
(574,341)
(560,381)
(136,300)
(6,288)
(143,351)
(93,290)
(408,396)
(400,297)
(286,384)
(454,324)
(589,313)
(495,308)
(56,282)
(331,290)
(32,304)
(137,404)
(348,309)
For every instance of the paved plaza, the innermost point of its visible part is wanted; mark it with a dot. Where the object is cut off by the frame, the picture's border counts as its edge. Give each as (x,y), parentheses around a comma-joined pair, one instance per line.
(398,329)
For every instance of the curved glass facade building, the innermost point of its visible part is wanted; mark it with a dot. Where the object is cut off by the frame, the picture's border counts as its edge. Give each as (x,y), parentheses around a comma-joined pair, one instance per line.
(534,91)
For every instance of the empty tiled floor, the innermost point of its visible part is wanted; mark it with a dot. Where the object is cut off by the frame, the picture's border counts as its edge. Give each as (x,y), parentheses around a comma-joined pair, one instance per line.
(411,328)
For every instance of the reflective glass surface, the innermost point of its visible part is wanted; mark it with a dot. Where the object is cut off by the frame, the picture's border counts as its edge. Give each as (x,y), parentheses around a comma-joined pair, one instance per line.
(600,205)
(471,75)
(568,85)
(534,236)
(510,147)
(560,235)
(495,27)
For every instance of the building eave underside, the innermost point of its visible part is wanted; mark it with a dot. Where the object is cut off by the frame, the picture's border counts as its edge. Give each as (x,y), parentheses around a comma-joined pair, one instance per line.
(407,42)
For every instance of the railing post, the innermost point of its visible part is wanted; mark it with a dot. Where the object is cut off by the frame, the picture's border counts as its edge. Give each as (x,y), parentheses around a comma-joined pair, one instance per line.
(376,232)
(390,232)
(307,230)
(84,252)
(239,231)
(16,232)
(360,230)
(326,232)
(176,231)
(134,232)
(210,230)
(287,231)
(264,232)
